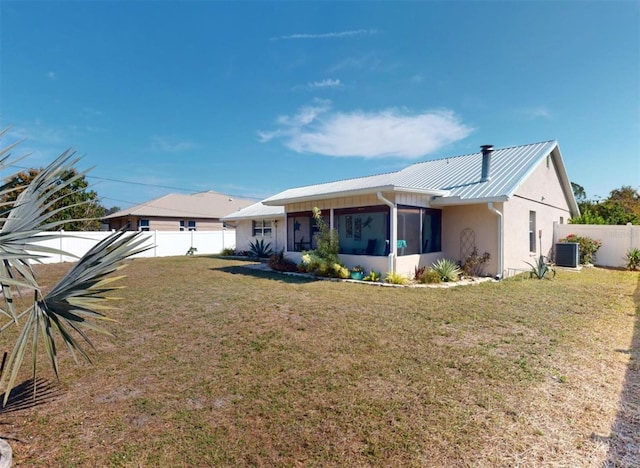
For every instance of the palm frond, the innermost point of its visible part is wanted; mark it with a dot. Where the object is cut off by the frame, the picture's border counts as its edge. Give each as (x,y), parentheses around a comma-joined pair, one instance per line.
(75,304)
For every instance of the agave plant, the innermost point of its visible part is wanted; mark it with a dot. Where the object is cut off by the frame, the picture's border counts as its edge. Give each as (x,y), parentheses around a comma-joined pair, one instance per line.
(78,301)
(541,269)
(259,249)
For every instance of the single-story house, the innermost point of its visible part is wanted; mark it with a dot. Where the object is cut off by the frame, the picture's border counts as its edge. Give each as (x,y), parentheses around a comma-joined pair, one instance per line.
(500,201)
(178,212)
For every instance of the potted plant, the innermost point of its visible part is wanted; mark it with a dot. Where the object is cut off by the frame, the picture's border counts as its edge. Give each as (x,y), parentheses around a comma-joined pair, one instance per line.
(357,272)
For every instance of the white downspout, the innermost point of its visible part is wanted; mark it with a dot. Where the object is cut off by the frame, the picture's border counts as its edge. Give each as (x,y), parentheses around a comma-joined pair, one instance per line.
(393,247)
(500,241)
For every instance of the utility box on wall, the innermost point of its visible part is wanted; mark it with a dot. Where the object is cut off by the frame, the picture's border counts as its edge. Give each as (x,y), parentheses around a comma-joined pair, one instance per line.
(568,254)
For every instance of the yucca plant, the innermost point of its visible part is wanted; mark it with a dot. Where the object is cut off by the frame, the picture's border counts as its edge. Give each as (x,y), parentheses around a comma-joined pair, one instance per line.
(447,270)
(78,301)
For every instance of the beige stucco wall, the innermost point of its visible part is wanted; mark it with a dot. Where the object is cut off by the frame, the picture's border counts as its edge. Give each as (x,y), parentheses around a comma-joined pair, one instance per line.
(484,225)
(542,193)
(244,235)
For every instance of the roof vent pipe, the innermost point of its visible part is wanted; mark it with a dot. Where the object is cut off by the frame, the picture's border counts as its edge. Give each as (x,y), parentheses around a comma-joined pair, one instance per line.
(486,162)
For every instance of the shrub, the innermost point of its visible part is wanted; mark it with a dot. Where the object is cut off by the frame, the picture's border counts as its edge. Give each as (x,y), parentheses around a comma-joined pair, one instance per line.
(228,252)
(324,260)
(541,269)
(373,276)
(395,278)
(429,276)
(259,249)
(588,247)
(633,259)
(279,262)
(447,270)
(474,264)
(357,269)
(418,272)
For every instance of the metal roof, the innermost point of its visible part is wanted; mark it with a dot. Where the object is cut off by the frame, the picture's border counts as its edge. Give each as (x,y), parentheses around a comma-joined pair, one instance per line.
(198,205)
(454,179)
(256,211)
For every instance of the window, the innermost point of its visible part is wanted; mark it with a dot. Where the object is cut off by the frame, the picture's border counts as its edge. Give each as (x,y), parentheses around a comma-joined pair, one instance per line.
(363,230)
(143,225)
(261,228)
(302,230)
(188,225)
(532,231)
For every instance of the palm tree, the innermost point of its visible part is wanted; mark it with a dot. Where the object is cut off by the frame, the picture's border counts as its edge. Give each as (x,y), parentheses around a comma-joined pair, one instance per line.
(78,302)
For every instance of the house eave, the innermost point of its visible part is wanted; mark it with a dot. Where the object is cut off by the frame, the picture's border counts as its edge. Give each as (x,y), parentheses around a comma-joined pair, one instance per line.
(352,193)
(455,201)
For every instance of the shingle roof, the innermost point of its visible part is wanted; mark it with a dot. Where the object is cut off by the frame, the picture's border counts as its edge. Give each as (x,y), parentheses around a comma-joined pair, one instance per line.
(209,204)
(256,211)
(455,178)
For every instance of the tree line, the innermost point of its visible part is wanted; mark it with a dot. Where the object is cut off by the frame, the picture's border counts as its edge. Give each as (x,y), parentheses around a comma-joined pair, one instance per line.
(75,203)
(622,206)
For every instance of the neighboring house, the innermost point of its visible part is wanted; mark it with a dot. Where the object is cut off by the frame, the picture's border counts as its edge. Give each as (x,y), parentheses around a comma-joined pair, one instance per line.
(502,201)
(178,212)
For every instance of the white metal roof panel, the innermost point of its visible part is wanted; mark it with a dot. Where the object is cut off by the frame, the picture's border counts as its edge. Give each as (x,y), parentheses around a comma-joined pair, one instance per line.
(457,177)
(256,211)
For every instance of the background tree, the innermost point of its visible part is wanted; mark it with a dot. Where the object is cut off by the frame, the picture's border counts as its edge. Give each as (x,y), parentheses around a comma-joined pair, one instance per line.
(75,203)
(621,207)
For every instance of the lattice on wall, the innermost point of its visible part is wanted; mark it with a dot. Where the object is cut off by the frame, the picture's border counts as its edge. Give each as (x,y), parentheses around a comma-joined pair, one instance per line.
(467,243)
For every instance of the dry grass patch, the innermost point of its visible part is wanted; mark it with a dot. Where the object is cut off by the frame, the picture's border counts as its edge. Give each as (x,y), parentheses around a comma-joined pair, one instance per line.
(215,364)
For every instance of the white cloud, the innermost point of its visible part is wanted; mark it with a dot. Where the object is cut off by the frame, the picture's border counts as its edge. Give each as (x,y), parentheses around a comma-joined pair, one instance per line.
(327,83)
(170,145)
(395,132)
(331,35)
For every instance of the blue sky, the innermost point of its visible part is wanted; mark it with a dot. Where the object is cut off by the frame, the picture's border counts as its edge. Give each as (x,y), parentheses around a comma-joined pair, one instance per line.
(251,98)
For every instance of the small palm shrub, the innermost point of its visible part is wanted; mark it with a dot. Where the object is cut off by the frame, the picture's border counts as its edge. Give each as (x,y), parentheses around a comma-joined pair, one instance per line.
(429,276)
(259,249)
(447,270)
(279,262)
(80,299)
(633,259)
(396,278)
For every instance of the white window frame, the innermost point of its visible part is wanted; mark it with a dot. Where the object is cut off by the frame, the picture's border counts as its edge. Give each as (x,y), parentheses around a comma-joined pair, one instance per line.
(532,231)
(261,228)
(144,225)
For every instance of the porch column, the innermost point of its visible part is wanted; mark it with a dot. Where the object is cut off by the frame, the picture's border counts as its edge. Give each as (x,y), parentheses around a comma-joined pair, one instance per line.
(393,232)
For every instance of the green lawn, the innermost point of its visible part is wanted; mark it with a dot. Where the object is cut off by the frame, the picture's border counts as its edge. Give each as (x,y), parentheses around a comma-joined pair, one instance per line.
(215,364)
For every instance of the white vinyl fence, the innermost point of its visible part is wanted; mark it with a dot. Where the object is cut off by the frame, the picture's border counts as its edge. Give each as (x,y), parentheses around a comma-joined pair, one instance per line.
(165,243)
(616,240)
